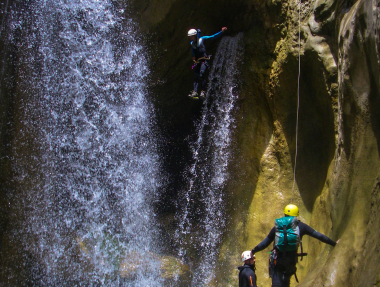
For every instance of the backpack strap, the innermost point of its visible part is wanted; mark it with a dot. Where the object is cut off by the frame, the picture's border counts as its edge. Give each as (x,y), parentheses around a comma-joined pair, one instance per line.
(285,238)
(295,276)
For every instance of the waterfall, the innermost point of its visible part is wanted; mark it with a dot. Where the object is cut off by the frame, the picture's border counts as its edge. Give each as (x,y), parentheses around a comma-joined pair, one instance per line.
(201,213)
(88,186)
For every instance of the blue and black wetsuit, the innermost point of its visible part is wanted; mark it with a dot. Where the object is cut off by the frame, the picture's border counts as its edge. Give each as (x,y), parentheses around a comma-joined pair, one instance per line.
(198,50)
(280,278)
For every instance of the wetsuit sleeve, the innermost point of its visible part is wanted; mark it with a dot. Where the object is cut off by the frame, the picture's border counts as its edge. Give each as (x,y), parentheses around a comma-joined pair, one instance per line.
(306,229)
(192,50)
(265,243)
(252,280)
(217,35)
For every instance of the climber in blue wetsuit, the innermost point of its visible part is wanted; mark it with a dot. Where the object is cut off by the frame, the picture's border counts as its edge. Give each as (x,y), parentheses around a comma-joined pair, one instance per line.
(199,56)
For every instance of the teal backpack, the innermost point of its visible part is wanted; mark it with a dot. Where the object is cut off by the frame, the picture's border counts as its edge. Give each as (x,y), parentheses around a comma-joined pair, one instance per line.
(287,237)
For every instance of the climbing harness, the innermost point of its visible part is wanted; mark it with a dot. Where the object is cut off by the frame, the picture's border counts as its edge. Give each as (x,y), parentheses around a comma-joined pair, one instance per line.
(283,264)
(200,61)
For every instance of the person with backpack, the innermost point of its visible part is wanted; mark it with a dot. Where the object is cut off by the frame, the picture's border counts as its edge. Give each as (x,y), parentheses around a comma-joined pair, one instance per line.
(287,236)
(247,276)
(199,56)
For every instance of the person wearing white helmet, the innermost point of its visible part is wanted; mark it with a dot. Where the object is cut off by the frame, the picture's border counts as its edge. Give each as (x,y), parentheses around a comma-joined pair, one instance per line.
(199,56)
(247,276)
(286,236)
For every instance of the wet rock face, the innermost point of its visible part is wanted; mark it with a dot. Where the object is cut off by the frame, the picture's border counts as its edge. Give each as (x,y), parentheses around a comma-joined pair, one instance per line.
(338,133)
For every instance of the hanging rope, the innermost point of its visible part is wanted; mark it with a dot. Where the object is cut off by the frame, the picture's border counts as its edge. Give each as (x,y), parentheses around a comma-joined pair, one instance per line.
(298,95)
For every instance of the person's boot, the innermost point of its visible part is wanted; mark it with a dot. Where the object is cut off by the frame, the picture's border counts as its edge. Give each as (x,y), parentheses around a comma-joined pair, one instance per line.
(193,94)
(202,95)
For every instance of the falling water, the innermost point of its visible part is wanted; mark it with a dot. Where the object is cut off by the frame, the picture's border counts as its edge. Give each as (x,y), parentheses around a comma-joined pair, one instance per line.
(202,218)
(88,184)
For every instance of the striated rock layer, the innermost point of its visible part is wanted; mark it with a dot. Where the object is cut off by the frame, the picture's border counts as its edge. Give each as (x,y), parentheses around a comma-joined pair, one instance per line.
(334,149)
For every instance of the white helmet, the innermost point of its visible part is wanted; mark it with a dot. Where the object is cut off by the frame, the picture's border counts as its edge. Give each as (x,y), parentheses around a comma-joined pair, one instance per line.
(192,32)
(246,255)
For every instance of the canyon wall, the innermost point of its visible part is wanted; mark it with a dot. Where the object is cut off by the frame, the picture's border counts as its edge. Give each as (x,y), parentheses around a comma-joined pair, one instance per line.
(334,148)
(315,142)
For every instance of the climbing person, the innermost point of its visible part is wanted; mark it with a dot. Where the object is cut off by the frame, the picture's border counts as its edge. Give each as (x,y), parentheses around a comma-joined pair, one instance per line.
(287,236)
(247,276)
(199,56)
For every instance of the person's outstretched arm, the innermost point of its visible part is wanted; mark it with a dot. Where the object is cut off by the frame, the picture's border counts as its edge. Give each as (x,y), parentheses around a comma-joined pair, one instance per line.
(306,229)
(265,243)
(217,35)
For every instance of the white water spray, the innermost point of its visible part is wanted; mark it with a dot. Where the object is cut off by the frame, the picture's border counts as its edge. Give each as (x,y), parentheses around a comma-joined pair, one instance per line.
(88,216)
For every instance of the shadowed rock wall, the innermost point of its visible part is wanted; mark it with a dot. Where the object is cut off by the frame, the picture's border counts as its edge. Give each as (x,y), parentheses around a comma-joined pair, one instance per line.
(337,165)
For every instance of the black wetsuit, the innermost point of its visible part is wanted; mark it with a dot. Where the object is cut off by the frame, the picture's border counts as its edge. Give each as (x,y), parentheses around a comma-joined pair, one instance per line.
(247,276)
(281,278)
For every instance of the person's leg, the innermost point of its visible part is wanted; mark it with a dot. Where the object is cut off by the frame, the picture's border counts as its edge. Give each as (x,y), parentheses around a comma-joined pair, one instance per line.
(197,77)
(196,81)
(203,69)
(276,280)
(204,85)
(203,76)
(279,279)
